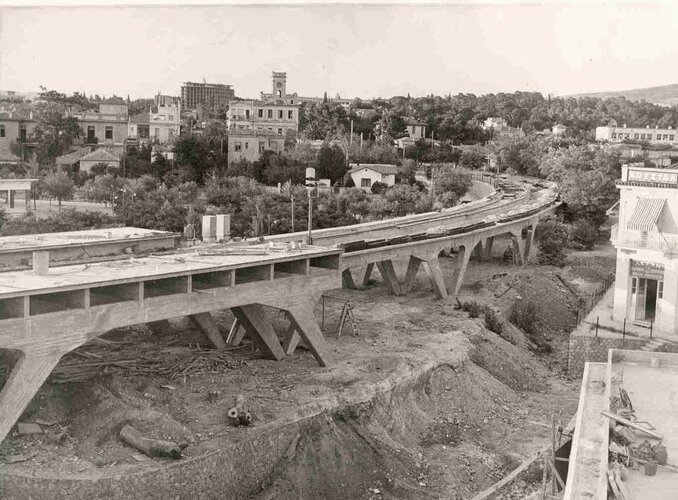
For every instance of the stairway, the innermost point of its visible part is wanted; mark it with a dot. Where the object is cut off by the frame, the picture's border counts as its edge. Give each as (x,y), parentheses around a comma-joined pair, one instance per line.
(654,344)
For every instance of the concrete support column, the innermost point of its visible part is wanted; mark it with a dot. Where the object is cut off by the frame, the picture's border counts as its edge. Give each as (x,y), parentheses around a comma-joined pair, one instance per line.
(253,318)
(461,264)
(435,275)
(368,273)
(205,323)
(388,273)
(308,330)
(487,249)
(518,247)
(530,240)
(411,274)
(28,375)
(347,279)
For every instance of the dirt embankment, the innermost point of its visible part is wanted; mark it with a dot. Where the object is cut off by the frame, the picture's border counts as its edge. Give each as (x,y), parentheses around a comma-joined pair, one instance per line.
(424,403)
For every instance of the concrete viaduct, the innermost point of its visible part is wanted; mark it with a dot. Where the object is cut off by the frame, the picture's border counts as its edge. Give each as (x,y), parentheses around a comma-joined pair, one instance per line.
(45,315)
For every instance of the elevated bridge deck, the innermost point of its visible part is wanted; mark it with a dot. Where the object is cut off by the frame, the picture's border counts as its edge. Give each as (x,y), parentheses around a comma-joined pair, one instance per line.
(45,316)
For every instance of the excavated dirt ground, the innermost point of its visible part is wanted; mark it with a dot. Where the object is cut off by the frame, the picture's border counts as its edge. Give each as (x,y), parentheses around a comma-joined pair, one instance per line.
(424,403)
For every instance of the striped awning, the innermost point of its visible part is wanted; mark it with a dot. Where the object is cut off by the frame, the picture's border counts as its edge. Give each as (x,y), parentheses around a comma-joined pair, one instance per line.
(646,214)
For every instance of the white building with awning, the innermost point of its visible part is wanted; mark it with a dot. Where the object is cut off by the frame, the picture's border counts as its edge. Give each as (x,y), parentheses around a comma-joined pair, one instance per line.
(646,238)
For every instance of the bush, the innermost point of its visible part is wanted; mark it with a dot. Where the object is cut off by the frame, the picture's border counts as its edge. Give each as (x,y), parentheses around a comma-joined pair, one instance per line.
(474,309)
(492,321)
(552,239)
(583,235)
(379,187)
(524,316)
(66,220)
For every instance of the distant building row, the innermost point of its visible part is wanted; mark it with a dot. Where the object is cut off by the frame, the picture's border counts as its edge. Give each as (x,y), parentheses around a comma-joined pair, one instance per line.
(652,135)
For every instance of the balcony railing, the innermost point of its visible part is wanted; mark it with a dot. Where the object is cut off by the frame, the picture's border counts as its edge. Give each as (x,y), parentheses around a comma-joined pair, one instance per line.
(642,239)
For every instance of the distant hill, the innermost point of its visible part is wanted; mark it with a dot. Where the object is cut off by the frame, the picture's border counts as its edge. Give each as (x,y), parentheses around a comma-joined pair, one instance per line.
(664,95)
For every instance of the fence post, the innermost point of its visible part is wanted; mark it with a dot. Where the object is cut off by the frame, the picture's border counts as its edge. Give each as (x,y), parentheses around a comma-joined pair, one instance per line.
(624,331)
(597,319)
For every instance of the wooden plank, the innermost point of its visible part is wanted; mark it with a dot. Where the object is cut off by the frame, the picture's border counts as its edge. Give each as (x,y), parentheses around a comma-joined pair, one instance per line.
(205,323)
(629,423)
(308,329)
(253,317)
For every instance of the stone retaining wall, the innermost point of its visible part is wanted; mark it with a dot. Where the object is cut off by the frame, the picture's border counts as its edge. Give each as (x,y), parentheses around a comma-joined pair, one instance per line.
(585,347)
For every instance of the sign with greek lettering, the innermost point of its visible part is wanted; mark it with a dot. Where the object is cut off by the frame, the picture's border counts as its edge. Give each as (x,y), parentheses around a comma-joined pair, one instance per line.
(647,270)
(653,176)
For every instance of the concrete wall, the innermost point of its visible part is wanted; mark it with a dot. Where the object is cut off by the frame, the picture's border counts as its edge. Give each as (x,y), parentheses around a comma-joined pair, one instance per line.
(585,348)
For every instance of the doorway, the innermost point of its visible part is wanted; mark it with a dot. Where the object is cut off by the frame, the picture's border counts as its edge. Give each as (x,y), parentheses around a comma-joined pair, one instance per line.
(644,295)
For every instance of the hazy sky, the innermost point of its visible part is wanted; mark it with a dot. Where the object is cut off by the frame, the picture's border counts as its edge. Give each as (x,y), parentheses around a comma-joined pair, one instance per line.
(353,50)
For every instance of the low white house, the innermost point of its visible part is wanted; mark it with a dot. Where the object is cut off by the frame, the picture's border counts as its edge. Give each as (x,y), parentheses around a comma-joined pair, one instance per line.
(366,174)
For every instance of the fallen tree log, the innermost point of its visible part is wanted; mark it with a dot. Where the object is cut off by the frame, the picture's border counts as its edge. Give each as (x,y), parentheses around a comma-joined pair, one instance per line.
(239,414)
(151,447)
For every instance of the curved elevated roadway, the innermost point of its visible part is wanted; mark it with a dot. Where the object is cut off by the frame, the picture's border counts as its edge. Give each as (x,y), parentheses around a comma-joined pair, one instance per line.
(514,208)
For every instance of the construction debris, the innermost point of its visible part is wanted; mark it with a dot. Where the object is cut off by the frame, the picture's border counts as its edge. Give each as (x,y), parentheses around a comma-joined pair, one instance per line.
(151,447)
(132,359)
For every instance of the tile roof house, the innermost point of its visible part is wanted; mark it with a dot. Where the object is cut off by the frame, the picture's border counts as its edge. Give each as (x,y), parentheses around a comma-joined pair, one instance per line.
(72,158)
(366,174)
(97,157)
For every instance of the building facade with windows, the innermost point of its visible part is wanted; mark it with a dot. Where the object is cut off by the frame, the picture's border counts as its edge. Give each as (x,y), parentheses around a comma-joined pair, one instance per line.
(193,94)
(416,129)
(249,144)
(279,90)
(15,126)
(160,125)
(277,116)
(366,174)
(651,135)
(108,126)
(646,239)
(265,122)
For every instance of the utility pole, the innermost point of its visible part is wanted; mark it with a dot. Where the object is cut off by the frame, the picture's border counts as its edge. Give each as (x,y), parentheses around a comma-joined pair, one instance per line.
(351,140)
(293,213)
(311,183)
